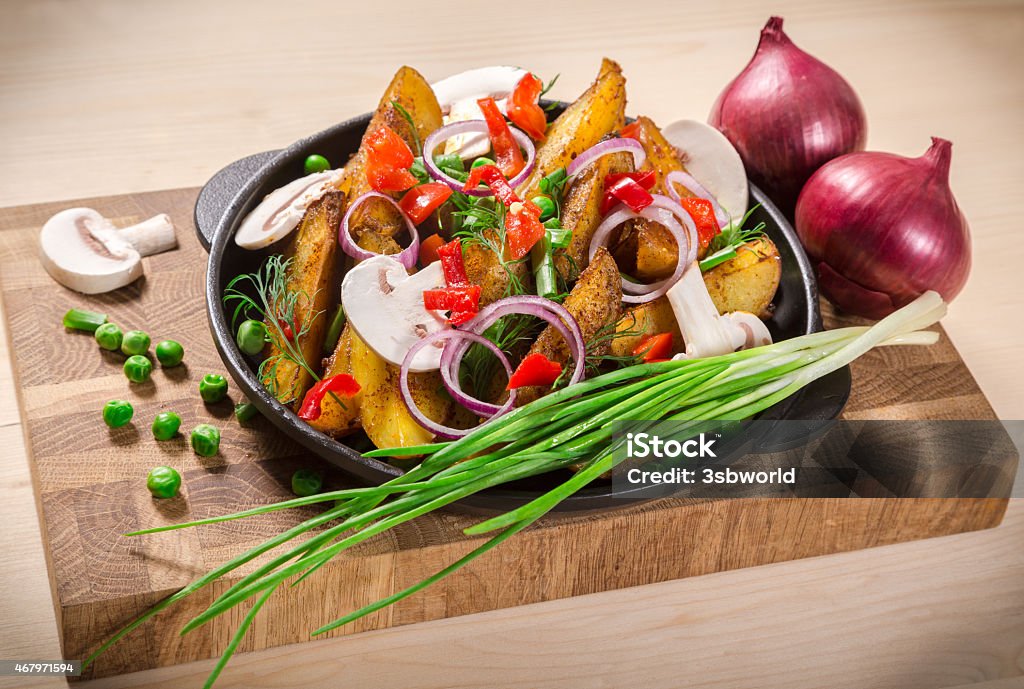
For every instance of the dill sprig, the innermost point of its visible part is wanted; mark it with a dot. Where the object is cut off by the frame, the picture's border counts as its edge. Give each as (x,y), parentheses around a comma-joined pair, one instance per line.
(276,305)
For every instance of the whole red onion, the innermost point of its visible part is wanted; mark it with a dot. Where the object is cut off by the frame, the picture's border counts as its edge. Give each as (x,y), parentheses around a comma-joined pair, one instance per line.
(788,114)
(883,229)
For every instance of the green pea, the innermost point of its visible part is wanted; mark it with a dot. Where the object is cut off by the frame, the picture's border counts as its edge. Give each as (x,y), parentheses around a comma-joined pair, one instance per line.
(135,342)
(169,353)
(163,482)
(213,388)
(480,162)
(205,440)
(109,336)
(251,337)
(166,425)
(452,161)
(245,411)
(316,163)
(137,368)
(117,413)
(546,205)
(306,482)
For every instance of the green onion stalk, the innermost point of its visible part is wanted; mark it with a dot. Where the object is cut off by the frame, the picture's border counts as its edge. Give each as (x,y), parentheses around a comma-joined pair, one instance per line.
(571,426)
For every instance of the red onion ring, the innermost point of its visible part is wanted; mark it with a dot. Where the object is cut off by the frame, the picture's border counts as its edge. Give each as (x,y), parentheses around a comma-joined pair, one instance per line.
(451,360)
(407,257)
(603,148)
(446,132)
(438,429)
(688,181)
(661,211)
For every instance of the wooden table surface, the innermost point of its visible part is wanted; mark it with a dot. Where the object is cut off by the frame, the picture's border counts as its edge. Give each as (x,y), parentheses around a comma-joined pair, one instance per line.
(109,97)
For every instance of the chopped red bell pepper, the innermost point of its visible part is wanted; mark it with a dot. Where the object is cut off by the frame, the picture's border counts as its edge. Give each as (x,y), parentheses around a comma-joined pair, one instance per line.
(428,249)
(630,131)
(703,214)
(388,159)
(535,369)
(506,149)
(523,229)
(629,192)
(654,348)
(342,385)
(452,264)
(462,302)
(286,329)
(420,201)
(494,178)
(645,178)
(523,109)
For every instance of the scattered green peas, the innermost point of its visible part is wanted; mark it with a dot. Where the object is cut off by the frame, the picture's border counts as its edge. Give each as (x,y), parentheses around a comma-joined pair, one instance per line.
(480,162)
(137,368)
(245,411)
(117,413)
(213,388)
(166,425)
(135,342)
(546,205)
(306,482)
(109,336)
(251,337)
(163,482)
(169,353)
(205,440)
(316,163)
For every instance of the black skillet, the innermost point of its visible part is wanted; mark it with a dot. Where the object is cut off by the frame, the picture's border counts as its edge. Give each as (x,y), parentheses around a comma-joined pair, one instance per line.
(236,189)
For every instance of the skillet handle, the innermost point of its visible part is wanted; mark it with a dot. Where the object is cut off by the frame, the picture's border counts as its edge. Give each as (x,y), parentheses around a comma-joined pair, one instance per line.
(216,194)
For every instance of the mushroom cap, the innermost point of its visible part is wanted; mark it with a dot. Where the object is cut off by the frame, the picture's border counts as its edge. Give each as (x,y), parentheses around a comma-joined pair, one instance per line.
(713,161)
(75,258)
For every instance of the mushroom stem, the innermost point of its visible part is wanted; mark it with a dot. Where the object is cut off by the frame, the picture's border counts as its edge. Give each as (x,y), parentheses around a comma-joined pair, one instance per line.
(152,236)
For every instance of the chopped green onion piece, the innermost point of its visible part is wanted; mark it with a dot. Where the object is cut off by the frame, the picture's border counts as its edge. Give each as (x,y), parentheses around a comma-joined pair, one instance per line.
(554,182)
(553,224)
(544,267)
(484,160)
(334,330)
(717,258)
(78,319)
(449,161)
(419,171)
(460,175)
(560,238)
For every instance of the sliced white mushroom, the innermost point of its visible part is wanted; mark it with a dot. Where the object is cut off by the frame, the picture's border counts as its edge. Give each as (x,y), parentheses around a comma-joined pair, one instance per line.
(713,161)
(384,304)
(458,94)
(85,252)
(279,213)
(705,332)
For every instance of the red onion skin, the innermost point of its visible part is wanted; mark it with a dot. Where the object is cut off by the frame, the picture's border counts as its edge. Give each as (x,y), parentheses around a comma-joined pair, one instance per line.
(883,229)
(788,113)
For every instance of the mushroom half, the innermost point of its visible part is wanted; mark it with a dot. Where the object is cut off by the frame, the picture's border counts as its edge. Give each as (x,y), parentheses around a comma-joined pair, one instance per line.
(85,252)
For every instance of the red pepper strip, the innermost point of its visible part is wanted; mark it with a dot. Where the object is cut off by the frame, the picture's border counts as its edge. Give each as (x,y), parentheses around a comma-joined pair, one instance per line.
(645,178)
(654,348)
(506,150)
(630,193)
(342,384)
(420,201)
(452,264)
(535,369)
(286,329)
(463,302)
(630,131)
(523,229)
(703,214)
(523,109)
(388,159)
(492,176)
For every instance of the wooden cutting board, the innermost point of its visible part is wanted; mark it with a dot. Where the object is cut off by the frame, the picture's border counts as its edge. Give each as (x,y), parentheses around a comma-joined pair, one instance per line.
(90,481)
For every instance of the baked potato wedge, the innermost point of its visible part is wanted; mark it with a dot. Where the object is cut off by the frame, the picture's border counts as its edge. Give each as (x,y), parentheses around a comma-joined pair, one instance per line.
(595,114)
(411,91)
(650,318)
(748,281)
(336,419)
(309,274)
(382,412)
(484,268)
(595,302)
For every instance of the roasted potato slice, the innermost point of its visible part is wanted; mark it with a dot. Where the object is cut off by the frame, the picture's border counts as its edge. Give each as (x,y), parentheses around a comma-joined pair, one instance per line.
(339,419)
(748,281)
(310,272)
(484,268)
(411,91)
(595,302)
(595,114)
(651,318)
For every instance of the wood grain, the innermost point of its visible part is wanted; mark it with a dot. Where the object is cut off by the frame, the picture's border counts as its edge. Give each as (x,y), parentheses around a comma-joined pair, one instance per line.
(89,480)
